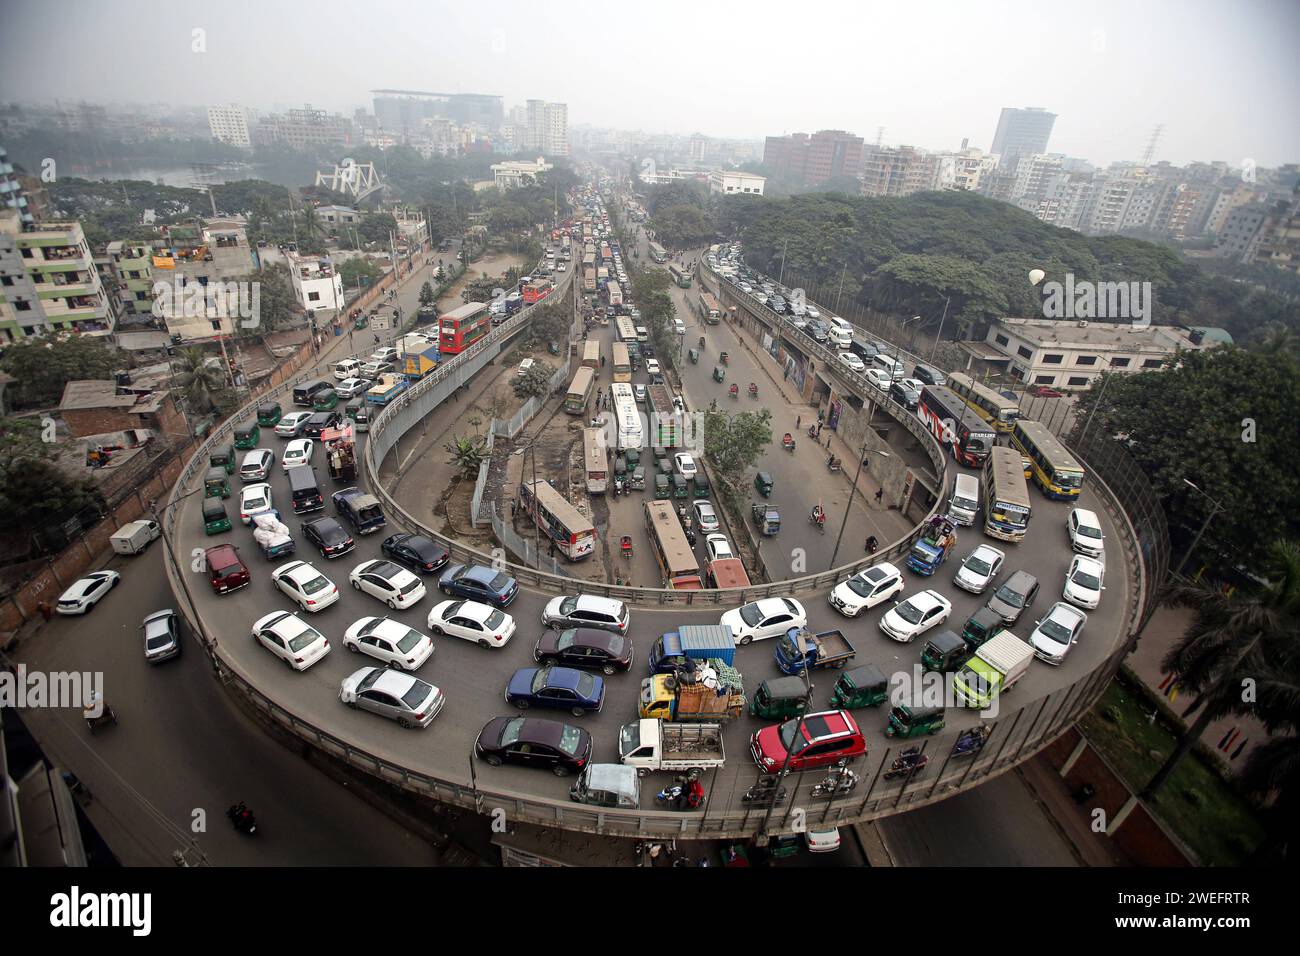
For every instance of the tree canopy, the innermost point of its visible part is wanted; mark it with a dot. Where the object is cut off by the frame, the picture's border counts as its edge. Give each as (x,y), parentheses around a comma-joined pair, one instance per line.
(43,366)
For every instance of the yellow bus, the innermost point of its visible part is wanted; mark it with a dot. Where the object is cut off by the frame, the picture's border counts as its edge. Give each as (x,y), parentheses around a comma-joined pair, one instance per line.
(579,394)
(998,410)
(591,354)
(677,562)
(1006,499)
(1055,470)
(622,363)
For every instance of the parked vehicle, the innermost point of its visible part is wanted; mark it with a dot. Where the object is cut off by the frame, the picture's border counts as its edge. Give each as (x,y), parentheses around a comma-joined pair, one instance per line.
(556,687)
(607,785)
(684,648)
(584,647)
(390,641)
(916,615)
(1016,594)
(779,698)
(820,650)
(361,510)
(908,721)
(162,636)
(866,589)
(996,667)
(648,745)
(134,536)
(945,652)
(401,697)
(1057,632)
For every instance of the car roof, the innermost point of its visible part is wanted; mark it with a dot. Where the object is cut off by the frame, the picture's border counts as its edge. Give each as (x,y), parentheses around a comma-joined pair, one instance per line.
(1084,515)
(828,723)
(475,610)
(480,572)
(299,571)
(538,730)
(926,599)
(879,572)
(395,682)
(564,677)
(596,602)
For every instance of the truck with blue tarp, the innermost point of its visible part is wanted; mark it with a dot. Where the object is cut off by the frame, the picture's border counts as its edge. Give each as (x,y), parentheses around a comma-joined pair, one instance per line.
(691,643)
(933,547)
(823,649)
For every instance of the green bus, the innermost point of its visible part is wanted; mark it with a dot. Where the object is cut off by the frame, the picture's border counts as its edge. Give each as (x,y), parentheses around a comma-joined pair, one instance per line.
(680,276)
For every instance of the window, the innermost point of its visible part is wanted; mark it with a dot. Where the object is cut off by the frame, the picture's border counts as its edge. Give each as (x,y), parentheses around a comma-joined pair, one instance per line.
(1053,359)
(6,280)
(1119,362)
(1001,339)
(1077,380)
(1024,352)
(313,296)
(22,305)
(1153,363)
(1044,379)
(1086,360)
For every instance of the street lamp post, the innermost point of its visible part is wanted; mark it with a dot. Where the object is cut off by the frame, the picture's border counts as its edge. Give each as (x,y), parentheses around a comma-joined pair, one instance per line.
(802,646)
(935,347)
(1205,524)
(853,490)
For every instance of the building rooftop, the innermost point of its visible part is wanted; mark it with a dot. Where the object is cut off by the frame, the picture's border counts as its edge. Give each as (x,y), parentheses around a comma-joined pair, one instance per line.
(1070,333)
(85,394)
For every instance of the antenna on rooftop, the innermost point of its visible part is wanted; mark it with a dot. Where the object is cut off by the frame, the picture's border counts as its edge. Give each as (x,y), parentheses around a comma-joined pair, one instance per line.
(1151,144)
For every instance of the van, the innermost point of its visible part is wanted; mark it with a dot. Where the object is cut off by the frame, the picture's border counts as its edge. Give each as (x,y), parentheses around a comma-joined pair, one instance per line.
(348,368)
(642,335)
(1014,597)
(303,490)
(964,504)
(358,412)
(305,393)
(888,364)
(929,375)
(840,337)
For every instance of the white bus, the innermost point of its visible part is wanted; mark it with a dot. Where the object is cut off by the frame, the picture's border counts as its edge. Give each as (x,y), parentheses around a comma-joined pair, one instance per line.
(630,432)
(595,461)
(1006,498)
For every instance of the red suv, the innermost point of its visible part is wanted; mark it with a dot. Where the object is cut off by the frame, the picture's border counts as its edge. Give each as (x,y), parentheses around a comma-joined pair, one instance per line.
(226,571)
(824,739)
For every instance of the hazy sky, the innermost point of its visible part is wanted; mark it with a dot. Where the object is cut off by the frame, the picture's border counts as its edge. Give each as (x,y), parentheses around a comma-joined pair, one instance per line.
(1221,76)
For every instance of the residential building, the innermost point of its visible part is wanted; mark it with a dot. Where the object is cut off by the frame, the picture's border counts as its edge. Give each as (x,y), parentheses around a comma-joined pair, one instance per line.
(316,283)
(306,127)
(401,111)
(48,280)
(199,255)
(130,280)
(344,215)
(1067,354)
(11,189)
(548,128)
(513,173)
(735,182)
(826,154)
(1021,132)
(1228,199)
(93,407)
(1279,238)
(1239,234)
(898,171)
(229,124)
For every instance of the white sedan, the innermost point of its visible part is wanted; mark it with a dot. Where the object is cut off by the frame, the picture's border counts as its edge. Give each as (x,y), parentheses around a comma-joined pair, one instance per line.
(297,452)
(390,641)
(391,583)
(305,586)
(254,500)
(86,592)
(352,387)
(770,617)
(916,615)
(685,465)
(481,623)
(1084,582)
(1058,630)
(979,569)
(291,639)
(879,378)
(291,424)
(652,366)
(852,362)
(706,517)
(718,547)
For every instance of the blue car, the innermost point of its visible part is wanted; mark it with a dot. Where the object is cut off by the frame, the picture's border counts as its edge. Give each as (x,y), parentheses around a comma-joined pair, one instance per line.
(479,583)
(575,691)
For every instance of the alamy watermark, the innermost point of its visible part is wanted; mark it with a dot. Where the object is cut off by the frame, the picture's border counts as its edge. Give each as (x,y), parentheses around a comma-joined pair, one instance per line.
(25,689)
(215,300)
(1084,299)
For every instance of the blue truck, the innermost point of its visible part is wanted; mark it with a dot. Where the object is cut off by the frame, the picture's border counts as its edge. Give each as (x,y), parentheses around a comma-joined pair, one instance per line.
(823,649)
(682,648)
(933,547)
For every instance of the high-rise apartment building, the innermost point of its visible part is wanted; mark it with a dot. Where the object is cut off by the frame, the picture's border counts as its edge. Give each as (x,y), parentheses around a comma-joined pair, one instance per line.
(11,189)
(1021,132)
(548,127)
(229,124)
(1279,236)
(898,171)
(827,154)
(48,280)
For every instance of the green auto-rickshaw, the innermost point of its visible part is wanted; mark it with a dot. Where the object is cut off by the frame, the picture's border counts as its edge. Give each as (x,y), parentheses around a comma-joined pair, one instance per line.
(661,487)
(701,483)
(637,480)
(981,625)
(719,373)
(693,355)
(863,686)
(632,456)
(223,457)
(246,436)
(908,721)
(215,520)
(945,652)
(216,483)
(664,464)
(362,322)
(268,415)
(779,698)
(681,487)
(763,483)
(324,400)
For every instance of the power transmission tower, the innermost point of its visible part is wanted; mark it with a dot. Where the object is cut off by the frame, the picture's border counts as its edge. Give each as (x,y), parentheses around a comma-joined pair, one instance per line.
(1151,144)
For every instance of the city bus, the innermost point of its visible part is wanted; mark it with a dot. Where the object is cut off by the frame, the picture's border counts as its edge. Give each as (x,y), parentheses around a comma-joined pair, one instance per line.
(579,394)
(588,280)
(589,261)
(460,328)
(537,290)
(955,425)
(595,461)
(677,562)
(998,410)
(622,363)
(626,330)
(710,311)
(591,354)
(630,432)
(658,253)
(573,534)
(1006,498)
(1055,470)
(680,276)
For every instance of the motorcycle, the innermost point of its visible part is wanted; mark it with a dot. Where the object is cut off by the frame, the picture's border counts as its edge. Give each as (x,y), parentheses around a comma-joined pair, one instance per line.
(787,442)
(910,761)
(812,431)
(241,818)
(970,742)
(753,390)
(734,392)
(818,517)
(833,464)
(763,790)
(838,782)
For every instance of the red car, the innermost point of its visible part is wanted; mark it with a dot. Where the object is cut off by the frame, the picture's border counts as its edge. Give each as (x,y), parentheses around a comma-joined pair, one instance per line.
(825,738)
(1043,391)
(225,569)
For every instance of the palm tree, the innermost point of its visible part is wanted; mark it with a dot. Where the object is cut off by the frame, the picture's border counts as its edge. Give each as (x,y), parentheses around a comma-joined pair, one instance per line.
(199,381)
(311,221)
(466,454)
(1235,637)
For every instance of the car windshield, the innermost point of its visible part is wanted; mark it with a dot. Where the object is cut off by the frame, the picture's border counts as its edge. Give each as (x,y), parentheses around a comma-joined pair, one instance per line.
(1070,480)
(318,583)
(570,737)
(566,639)
(568,604)
(510,733)
(1086,580)
(977,565)
(750,614)
(1056,630)
(860,586)
(787,734)
(966,503)
(909,612)
(1087,531)
(410,640)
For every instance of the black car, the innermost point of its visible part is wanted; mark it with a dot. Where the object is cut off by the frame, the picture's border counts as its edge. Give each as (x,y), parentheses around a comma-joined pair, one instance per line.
(329,537)
(534,742)
(321,421)
(586,648)
(417,552)
(907,397)
(479,583)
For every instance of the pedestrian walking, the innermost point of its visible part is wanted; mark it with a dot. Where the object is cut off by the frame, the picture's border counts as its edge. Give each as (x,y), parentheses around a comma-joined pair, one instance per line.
(880,493)
(45,610)
(797,420)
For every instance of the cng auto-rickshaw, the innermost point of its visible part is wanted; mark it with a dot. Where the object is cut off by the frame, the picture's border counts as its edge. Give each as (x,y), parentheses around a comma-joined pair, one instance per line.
(268,415)
(981,625)
(324,400)
(246,436)
(779,698)
(862,686)
(215,519)
(945,652)
(362,322)
(701,485)
(358,412)
(223,457)
(763,482)
(908,721)
(681,489)
(693,355)
(719,373)
(664,464)
(766,517)
(637,480)
(216,483)
(633,457)
(661,487)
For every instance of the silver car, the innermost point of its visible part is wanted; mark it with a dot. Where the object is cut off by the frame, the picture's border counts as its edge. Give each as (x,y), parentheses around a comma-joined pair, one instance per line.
(162,636)
(394,694)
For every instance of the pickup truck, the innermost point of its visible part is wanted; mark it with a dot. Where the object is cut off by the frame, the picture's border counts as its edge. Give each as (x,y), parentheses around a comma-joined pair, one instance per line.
(933,547)
(389,386)
(362,510)
(680,649)
(650,745)
(272,535)
(688,698)
(998,663)
(824,649)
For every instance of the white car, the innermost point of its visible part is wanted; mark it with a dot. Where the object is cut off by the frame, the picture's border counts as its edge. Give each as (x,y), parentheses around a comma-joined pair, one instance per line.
(718,547)
(390,641)
(705,517)
(391,583)
(1085,532)
(1084,582)
(852,362)
(386,354)
(916,615)
(86,592)
(254,500)
(770,617)
(822,841)
(811,312)
(866,589)
(306,586)
(639,393)
(400,697)
(652,366)
(679,326)
(472,621)
(1058,629)
(913,384)
(291,424)
(291,639)
(372,370)
(979,569)
(297,452)
(879,378)
(685,465)
(352,387)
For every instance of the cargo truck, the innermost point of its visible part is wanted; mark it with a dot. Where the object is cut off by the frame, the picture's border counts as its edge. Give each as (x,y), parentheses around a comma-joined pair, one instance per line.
(648,745)
(933,547)
(683,648)
(726,573)
(134,536)
(388,387)
(665,421)
(340,453)
(700,695)
(824,649)
(998,663)
(421,360)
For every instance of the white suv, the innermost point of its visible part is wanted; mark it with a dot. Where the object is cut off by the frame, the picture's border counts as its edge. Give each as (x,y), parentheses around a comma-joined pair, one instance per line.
(866,589)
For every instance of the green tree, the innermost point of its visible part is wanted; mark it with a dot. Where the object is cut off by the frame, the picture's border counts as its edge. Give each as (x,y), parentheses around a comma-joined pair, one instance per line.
(682,226)
(535,383)
(733,443)
(199,377)
(426,295)
(277,303)
(467,454)
(551,322)
(43,366)
(358,267)
(36,494)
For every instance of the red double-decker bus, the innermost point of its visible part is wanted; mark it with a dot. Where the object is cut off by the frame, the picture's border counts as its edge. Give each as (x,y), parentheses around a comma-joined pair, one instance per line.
(537,290)
(461,328)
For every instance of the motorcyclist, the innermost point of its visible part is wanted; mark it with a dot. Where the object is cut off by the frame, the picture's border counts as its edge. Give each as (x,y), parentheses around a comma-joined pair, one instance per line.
(818,514)
(872,544)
